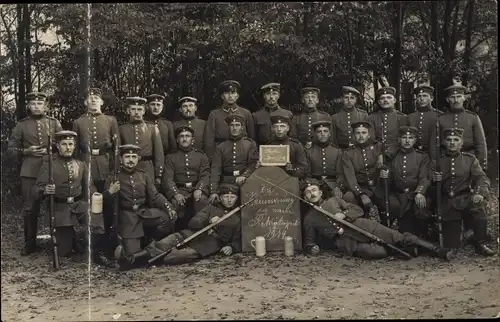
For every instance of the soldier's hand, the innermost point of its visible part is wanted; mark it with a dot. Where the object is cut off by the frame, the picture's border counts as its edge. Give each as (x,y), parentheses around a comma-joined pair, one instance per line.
(365,200)
(114,187)
(32,150)
(258,165)
(179,198)
(314,250)
(288,166)
(477,199)
(50,189)
(337,192)
(240,180)
(213,198)
(384,173)
(437,176)
(157,180)
(197,194)
(172,214)
(214,219)
(227,250)
(339,215)
(420,200)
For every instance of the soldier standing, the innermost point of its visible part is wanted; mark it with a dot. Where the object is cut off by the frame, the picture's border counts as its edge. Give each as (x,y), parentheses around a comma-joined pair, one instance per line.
(187,177)
(165,127)
(216,128)
(262,118)
(29,141)
(459,172)
(188,118)
(235,159)
(424,118)
(324,159)
(146,136)
(301,125)
(387,121)
(349,114)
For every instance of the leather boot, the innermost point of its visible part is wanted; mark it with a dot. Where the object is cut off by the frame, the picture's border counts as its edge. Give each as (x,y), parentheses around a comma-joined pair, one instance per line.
(99,254)
(483,249)
(438,251)
(136,260)
(29,236)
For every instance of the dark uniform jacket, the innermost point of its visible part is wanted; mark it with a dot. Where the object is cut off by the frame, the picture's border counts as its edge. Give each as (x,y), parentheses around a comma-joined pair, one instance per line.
(324,164)
(70,178)
(298,157)
(474,138)
(262,120)
(198,125)
(166,129)
(463,177)
(27,132)
(233,158)
(301,125)
(342,134)
(185,172)
(217,130)
(424,119)
(96,131)
(385,125)
(147,137)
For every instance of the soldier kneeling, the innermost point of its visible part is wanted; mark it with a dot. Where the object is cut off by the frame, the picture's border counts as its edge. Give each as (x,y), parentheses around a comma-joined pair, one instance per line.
(351,242)
(224,238)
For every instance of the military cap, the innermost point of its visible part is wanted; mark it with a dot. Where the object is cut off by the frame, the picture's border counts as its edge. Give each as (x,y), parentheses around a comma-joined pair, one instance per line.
(65,135)
(229,86)
(454,89)
(424,89)
(187,99)
(226,188)
(350,89)
(235,117)
(309,90)
(364,124)
(386,90)
(325,123)
(135,100)
(270,87)
(36,96)
(183,128)
(129,148)
(405,130)
(453,132)
(310,182)
(94,91)
(280,116)
(155,98)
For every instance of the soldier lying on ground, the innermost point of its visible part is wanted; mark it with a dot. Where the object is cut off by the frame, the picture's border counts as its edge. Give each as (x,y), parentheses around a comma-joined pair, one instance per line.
(351,242)
(224,238)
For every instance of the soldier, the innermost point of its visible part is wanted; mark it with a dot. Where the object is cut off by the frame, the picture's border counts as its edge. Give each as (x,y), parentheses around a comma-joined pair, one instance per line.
(71,198)
(459,171)
(29,141)
(188,118)
(166,128)
(341,121)
(350,242)
(387,121)
(408,174)
(224,238)
(360,164)
(301,125)
(424,118)
(187,177)
(324,159)
(143,211)
(474,140)
(262,118)
(235,159)
(216,128)
(146,136)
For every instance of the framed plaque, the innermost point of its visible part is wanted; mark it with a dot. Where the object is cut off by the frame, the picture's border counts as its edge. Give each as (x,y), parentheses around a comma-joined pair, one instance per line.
(274,155)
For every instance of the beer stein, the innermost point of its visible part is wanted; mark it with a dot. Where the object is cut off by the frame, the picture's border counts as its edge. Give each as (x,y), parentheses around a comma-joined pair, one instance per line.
(289,248)
(96,203)
(259,244)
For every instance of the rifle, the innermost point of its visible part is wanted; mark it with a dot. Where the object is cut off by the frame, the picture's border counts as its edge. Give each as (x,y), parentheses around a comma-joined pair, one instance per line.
(116,171)
(438,186)
(201,231)
(343,222)
(386,186)
(55,253)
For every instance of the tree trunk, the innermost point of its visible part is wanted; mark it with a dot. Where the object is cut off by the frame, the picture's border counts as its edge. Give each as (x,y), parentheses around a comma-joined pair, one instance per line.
(434,64)
(396,62)
(27,49)
(468,40)
(147,68)
(21,73)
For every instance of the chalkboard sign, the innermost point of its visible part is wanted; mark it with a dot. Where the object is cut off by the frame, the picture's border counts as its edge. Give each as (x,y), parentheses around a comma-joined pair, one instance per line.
(275,213)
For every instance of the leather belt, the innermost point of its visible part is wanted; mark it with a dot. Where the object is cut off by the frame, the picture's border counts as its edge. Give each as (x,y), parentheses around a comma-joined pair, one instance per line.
(96,152)
(186,185)
(133,207)
(234,173)
(68,200)
(147,158)
(452,194)
(219,140)
(323,177)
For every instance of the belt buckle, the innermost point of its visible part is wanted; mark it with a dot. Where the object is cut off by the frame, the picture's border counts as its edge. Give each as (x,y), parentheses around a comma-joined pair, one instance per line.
(135,207)
(236,173)
(451,194)
(371,183)
(308,144)
(324,177)
(420,147)
(407,190)
(95,151)
(350,144)
(70,199)
(189,184)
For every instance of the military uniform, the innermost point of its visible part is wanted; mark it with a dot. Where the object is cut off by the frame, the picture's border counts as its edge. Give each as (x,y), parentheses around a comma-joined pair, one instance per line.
(30,131)
(165,127)
(186,170)
(198,125)
(143,211)
(216,128)
(341,122)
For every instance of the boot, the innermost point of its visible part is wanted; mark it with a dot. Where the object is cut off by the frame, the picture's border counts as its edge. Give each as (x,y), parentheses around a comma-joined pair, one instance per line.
(468,236)
(136,260)
(29,236)
(99,254)
(483,249)
(438,251)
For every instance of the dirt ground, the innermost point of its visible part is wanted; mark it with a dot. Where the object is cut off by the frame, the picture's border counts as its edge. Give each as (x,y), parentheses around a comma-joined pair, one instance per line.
(242,286)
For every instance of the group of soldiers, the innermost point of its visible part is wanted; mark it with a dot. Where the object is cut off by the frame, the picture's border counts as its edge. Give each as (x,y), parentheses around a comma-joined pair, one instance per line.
(174,178)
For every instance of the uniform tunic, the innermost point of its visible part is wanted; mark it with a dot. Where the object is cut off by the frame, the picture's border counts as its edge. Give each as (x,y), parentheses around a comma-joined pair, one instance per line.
(147,137)
(96,131)
(385,127)
(198,125)
(324,164)
(301,125)
(217,130)
(298,157)
(342,134)
(166,129)
(424,119)
(233,158)
(262,121)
